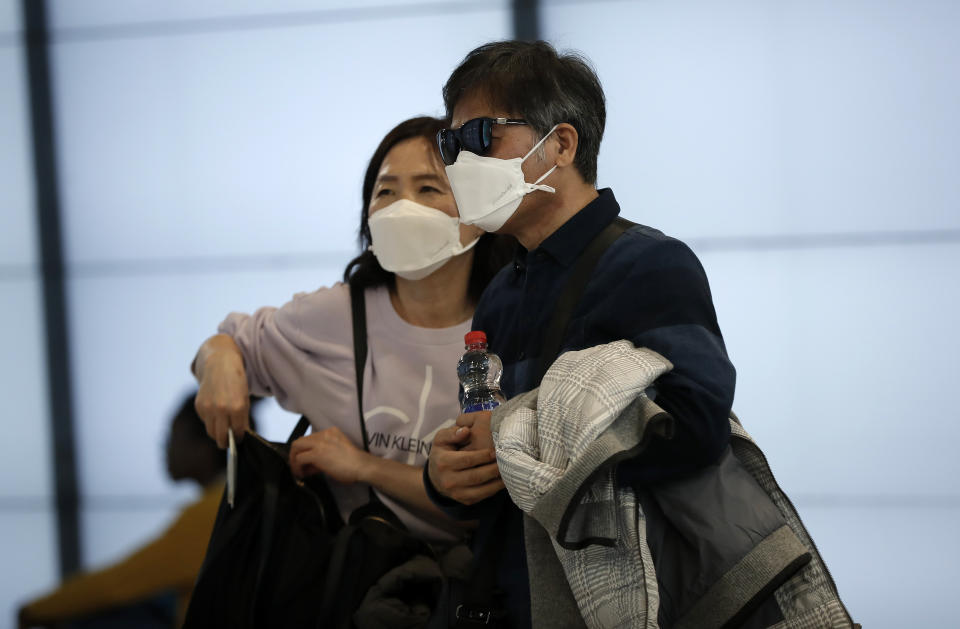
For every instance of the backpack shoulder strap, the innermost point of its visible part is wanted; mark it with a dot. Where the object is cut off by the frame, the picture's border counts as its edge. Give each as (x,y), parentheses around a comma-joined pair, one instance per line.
(573,290)
(358,312)
(299,430)
(358,309)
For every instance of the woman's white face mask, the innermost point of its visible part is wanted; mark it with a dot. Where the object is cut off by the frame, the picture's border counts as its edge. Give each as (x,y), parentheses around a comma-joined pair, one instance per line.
(413,240)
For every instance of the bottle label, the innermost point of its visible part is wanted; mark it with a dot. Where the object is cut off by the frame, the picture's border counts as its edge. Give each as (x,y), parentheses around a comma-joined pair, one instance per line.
(488,405)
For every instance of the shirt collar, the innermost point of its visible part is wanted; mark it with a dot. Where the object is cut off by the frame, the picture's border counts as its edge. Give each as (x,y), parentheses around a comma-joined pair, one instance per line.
(567,242)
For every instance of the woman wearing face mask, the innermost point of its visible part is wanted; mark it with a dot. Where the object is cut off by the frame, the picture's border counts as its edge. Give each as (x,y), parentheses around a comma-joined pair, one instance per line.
(423,273)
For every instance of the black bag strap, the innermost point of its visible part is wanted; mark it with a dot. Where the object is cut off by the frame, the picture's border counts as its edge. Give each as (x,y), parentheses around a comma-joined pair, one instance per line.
(573,290)
(299,430)
(358,313)
(358,310)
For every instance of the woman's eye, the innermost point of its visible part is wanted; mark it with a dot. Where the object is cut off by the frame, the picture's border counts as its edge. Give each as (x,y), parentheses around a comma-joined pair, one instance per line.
(429,189)
(383,192)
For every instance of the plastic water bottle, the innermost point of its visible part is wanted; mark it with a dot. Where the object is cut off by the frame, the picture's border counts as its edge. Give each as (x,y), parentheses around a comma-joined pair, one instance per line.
(479,372)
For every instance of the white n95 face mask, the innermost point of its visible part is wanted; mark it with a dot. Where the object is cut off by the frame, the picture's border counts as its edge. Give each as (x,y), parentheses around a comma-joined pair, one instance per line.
(488,190)
(413,240)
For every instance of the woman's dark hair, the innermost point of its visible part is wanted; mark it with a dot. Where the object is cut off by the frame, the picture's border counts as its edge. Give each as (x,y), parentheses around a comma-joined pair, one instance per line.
(490,253)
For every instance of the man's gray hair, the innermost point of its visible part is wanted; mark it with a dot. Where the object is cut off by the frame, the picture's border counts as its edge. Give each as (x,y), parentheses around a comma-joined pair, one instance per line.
(531,80)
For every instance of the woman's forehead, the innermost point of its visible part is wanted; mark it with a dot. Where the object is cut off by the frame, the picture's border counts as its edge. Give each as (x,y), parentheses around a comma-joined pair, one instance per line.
(413,157)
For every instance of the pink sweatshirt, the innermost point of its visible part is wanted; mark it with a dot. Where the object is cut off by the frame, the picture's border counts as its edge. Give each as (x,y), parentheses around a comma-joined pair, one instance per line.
(302,353)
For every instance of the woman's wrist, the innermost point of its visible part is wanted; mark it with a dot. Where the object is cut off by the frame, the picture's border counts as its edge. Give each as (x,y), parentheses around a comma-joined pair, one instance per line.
(226,356)
(220,347)
(368,468)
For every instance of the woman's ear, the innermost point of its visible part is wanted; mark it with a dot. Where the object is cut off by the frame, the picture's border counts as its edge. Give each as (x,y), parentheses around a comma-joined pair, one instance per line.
(567,142)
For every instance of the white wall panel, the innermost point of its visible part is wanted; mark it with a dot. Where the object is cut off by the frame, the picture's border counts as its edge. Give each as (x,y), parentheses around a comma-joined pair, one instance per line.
(895,566)
(133,340)
(9,16)
(30,562)
(25,467)
(93,13)
(27,519)
(17,218)
(245,142)
(845,359)
(753,118)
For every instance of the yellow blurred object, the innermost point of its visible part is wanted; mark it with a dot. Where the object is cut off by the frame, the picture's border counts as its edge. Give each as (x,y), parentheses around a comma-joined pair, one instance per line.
(169,563)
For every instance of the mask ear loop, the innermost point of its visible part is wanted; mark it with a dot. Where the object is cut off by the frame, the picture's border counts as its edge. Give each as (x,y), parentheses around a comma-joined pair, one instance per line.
(536,184)
(542,140)
(465,248)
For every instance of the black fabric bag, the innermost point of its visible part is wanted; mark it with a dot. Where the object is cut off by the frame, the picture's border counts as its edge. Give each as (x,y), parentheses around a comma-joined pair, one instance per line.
(266,560)
(373,544)
(283,557)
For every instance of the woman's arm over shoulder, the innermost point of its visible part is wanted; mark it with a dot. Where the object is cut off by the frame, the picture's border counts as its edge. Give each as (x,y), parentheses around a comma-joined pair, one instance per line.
(267,354)
(277,343)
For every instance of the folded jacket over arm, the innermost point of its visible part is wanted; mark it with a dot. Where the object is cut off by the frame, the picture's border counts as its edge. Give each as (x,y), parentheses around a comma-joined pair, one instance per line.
(714,545)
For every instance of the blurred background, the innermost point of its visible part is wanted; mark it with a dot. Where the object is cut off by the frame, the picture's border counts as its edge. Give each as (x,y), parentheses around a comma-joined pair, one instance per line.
(165,163)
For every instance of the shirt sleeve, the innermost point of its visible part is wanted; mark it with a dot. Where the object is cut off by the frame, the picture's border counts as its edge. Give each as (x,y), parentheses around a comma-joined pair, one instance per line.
(457,510)
(278,355)
(264,343)
(664,304)
(170,562)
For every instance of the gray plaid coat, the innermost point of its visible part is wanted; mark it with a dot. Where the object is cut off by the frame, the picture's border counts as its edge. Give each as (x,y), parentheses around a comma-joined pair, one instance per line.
(725,548)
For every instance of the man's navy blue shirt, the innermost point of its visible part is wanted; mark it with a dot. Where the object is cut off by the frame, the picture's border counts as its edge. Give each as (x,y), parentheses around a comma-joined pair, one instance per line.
(647,288)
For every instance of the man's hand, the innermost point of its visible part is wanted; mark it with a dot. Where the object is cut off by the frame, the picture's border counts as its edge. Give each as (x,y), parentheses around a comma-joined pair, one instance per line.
(223,400)
(331,452)
(468,475)
(481,438)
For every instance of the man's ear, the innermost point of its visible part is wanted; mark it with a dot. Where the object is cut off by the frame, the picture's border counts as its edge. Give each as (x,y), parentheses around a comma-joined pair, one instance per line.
(567,142)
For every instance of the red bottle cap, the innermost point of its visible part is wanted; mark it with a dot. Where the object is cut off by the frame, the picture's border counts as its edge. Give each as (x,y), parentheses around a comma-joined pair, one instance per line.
(477,336)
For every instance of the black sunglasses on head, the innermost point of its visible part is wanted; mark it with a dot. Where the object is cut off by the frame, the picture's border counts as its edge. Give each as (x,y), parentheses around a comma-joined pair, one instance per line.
(473,135)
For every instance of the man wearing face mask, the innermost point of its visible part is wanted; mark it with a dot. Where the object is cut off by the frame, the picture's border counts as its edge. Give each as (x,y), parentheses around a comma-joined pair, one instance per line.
(521,155)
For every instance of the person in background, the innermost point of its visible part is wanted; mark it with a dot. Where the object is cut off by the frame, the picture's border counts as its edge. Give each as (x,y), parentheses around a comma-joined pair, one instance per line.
(422,274)
(150,587)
